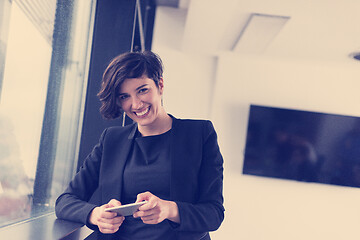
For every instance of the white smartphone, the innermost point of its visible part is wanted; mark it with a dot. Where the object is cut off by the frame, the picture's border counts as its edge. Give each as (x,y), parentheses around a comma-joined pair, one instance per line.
(127,209)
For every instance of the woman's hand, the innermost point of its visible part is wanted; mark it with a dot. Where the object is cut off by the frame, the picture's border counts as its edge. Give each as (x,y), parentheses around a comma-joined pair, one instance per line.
(107,222)
(156,210)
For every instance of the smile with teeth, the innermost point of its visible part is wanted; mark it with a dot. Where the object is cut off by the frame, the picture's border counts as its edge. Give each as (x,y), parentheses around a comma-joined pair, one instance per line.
(140,114)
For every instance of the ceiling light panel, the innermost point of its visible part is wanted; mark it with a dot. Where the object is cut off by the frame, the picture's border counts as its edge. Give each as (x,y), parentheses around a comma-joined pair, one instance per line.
(258,33)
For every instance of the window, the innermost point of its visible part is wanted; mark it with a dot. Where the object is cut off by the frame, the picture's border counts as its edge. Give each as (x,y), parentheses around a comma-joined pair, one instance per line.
(44,56)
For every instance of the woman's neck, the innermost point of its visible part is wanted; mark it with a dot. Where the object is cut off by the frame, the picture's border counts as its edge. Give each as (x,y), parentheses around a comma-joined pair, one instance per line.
(162,124)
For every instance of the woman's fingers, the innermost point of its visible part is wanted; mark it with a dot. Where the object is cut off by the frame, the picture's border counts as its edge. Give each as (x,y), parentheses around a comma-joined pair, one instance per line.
(110,225)
(145,196)
(152,219)
(107,222)
(114,203)
(153,212)
(151,199)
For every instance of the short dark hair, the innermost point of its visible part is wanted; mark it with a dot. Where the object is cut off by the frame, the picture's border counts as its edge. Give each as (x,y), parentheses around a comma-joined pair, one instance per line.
(122,67)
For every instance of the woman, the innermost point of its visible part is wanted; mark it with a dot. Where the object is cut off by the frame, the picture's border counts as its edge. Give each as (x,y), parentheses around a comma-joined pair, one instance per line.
(173,164)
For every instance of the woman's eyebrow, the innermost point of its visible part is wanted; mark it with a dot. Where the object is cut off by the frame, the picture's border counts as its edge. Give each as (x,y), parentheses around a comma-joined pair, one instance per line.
(142,86)
(135,89)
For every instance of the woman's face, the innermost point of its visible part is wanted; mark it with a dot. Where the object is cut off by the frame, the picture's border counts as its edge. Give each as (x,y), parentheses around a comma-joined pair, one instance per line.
(140,99)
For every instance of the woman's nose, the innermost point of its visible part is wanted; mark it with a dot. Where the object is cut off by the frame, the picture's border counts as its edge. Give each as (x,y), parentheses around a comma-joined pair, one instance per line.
(136,103)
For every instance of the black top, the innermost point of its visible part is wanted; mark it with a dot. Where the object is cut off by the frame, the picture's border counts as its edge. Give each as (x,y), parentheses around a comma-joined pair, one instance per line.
(195,182)
(147,169)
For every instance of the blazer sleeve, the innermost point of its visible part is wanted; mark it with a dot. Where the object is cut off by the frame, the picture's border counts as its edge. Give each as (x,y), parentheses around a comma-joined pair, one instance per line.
(73,204)
(207,213)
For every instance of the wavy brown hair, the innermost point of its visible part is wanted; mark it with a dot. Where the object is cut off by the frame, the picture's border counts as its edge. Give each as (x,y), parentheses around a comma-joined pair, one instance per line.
(122,67)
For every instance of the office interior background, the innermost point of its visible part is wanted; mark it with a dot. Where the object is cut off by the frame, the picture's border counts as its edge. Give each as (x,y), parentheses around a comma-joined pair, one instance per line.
(219,57)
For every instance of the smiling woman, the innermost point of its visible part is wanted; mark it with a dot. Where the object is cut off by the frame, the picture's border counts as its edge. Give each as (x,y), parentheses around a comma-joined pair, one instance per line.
(173,164)
(133,83)
(140,99)
(122,67)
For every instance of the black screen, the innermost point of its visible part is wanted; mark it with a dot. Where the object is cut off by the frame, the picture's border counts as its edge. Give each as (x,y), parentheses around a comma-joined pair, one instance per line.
(303,146)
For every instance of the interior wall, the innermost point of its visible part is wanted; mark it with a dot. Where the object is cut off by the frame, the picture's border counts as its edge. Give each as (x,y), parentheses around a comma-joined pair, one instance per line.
(261,208)
(264,208)
(188,77)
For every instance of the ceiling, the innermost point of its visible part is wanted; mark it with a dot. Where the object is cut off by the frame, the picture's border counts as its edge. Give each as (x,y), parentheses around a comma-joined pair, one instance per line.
(322,29)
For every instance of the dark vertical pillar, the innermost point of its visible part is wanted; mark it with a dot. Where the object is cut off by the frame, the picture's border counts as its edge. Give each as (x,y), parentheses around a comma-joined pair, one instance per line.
(113,33)
(49,132)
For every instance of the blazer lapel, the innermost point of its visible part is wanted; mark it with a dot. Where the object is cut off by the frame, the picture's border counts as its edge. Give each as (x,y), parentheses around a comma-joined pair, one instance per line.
(179,179)
(114,173)
(184,162)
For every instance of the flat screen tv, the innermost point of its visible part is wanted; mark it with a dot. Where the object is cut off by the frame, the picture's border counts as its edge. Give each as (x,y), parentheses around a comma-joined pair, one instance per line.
(303,146)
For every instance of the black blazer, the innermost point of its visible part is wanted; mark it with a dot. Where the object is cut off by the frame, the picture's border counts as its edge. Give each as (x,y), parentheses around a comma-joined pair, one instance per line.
(196,177)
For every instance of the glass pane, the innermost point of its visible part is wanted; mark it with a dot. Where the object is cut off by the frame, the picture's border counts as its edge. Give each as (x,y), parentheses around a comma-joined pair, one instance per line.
(22,107)
(24,94)
(5,7)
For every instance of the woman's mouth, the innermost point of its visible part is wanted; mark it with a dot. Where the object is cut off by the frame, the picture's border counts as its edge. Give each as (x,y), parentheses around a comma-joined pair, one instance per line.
(142,113)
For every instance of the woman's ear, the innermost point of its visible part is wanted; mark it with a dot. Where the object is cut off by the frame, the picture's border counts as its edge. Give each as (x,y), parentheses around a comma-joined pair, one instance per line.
(161,86)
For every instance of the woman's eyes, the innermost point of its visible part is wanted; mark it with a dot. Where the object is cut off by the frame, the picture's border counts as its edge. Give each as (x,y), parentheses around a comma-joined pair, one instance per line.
(143,90)
(140,91)
(123,97)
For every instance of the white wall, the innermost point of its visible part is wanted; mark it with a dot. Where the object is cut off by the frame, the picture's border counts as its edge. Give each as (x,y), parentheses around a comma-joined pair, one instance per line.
(200,86)
(264,208)
(188,77)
